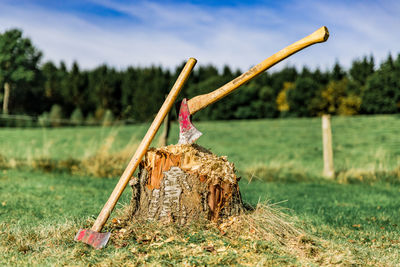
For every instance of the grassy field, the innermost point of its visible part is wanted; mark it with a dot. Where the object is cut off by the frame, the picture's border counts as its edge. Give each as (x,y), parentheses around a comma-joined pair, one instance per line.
(341,223)
(359,143)
(345,224)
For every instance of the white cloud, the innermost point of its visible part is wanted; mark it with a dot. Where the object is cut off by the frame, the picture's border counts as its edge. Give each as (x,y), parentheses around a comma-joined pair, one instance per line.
(239,37)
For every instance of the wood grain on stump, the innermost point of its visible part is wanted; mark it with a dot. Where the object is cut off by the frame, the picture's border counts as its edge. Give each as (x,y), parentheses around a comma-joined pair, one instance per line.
(181,183)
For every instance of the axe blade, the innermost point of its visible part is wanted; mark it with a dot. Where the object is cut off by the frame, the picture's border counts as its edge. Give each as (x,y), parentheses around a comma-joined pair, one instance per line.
(95,239)
(188,134)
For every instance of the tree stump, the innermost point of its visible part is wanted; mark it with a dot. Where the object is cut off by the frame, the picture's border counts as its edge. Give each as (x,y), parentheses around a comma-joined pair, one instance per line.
(182,183)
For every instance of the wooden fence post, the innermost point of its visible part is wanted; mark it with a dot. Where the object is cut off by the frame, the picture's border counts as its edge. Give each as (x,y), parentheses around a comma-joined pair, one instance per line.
(163,141)
(329,171)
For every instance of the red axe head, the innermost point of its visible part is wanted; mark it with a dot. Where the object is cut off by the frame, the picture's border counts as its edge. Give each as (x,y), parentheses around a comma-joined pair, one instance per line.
(95,239)
(188,134)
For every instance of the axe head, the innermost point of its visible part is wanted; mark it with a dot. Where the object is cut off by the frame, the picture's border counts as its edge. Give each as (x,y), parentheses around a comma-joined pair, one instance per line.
(188,134)
(95,239)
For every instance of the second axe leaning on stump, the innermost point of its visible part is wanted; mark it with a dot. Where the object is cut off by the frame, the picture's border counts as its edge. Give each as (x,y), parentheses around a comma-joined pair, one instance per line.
(189,134)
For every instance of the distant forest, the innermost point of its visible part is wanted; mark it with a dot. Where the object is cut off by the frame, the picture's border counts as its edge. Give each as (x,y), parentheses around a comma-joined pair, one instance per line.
(134,94)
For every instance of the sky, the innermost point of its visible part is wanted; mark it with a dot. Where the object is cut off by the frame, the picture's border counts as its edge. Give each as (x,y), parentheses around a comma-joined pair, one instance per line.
(236,33)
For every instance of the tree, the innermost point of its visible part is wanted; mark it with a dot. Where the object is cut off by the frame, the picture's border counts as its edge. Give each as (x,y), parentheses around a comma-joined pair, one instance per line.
(300,98)
(266,105)
(281,99)
(338,73)
(148,96)
(288,74)
(337,99)
(19,60)
(105,89)
(52,81)
(220,110)
(74,90)
(382,90)
(247,104)
(205,72)
(361,69)
(129,85)
(306,73)
(321,77)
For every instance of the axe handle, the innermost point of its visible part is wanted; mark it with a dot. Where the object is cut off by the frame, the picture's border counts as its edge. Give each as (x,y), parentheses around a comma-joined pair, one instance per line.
(141,150)
(199,102)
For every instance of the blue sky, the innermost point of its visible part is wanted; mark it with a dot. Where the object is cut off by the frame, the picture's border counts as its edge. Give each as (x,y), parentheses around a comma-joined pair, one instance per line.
(237,33)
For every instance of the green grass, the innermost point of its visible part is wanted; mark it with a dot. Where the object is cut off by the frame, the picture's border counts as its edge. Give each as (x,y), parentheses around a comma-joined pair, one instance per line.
(343,223)
(349,224)
(64,143)
(359,211)
(39,214)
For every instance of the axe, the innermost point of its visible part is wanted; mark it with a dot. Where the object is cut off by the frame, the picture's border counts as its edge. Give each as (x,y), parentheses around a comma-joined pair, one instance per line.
(93,236)
(188,134)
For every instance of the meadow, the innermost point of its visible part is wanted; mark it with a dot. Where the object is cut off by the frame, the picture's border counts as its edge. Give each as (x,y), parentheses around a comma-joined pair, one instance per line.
(353,219)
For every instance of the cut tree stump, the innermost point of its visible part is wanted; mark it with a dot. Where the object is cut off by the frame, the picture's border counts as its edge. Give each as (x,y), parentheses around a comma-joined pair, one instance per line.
(182,183)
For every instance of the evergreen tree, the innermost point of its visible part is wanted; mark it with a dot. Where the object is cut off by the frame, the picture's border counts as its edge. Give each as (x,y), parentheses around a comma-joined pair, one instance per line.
(75,90)
(382,90)
(227,74)
(306,73)
(147,98)
(301,96)
(320,77)
(128,87)
(266,105)
(361,69)
(104,89)
(253,102)
(52,83)
(338,73)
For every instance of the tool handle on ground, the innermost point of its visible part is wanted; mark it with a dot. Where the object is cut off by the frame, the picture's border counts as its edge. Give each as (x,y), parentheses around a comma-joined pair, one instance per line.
(199,102)
(144,145)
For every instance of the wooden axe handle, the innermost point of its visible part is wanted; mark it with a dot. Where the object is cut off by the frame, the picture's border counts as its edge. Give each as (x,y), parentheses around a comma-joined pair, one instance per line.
(199,102)
(144,145)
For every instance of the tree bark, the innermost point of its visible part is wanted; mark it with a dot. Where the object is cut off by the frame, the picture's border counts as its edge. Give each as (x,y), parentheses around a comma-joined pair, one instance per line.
(6,97)
(182,183)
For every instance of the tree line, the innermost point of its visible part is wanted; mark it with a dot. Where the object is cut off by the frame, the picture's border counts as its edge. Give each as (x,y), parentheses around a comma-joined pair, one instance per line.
(135,94)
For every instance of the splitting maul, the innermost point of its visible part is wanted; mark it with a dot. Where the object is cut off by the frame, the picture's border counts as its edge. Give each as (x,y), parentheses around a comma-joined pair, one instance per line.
(93,236)
(188,134)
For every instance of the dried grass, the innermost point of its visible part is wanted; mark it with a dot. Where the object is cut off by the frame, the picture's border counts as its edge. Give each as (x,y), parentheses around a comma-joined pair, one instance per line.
(102,163)
(260,236)
(373,176)
(289,174)
(265,222)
